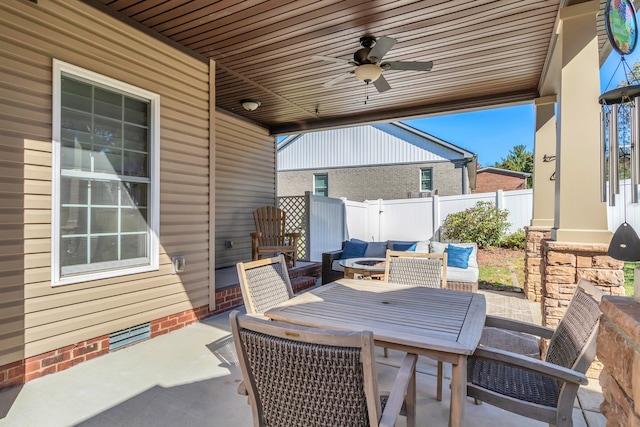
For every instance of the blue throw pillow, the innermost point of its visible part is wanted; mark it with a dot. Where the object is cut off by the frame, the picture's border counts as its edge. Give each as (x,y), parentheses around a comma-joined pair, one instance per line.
(376,250)
(404,246)
(413,248)
(353,249)
(458,256)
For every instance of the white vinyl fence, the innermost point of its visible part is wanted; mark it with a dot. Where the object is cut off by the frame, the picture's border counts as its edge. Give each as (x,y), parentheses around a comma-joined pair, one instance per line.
(422,218)
(333,220)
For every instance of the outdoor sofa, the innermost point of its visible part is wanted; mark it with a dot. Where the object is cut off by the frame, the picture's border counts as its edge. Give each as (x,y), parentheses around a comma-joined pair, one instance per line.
(459,279)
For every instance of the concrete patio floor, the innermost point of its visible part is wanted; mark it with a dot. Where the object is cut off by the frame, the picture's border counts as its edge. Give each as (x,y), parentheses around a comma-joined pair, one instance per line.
(189,378)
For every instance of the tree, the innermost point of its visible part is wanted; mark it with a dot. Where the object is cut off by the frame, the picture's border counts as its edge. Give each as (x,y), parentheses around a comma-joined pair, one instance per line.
(518,159)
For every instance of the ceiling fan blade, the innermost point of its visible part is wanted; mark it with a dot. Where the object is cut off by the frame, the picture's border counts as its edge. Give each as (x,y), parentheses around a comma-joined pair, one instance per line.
(338,79)
(329,59)
(405,65)
(382,46)
(381,84)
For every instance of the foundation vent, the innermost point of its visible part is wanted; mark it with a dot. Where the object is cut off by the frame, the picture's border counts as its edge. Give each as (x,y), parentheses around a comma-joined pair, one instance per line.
(129,336)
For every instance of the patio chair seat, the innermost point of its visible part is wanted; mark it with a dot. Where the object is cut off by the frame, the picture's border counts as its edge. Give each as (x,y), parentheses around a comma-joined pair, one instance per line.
(514,382)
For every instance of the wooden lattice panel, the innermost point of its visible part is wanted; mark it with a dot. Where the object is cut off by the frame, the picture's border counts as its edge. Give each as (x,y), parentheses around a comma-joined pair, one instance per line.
(295,221)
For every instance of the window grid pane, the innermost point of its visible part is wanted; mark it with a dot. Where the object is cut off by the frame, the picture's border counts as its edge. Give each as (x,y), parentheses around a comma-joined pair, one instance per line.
(103,221)
(115,137)
(97,218)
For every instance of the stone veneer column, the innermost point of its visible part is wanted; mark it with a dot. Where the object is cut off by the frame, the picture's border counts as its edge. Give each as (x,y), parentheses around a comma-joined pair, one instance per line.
(532,260)
(618,349)
(563,264)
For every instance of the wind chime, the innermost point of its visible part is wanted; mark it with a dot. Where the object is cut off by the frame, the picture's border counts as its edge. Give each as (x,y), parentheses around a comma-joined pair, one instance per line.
(622,29)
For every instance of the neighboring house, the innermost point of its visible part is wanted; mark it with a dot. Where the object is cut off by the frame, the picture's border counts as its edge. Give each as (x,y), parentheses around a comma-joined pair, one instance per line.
(492,179)
(381,161)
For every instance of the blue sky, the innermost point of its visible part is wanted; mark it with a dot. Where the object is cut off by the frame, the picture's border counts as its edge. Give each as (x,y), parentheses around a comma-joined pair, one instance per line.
(492,133)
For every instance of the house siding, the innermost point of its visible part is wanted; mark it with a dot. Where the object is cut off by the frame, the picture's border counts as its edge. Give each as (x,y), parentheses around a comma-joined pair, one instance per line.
(374,182)
(35,317)
(245,180)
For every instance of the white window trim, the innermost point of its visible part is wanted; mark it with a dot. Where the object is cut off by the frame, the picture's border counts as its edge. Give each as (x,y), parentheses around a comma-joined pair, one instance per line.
(420,179)
(60,67)
(314,182)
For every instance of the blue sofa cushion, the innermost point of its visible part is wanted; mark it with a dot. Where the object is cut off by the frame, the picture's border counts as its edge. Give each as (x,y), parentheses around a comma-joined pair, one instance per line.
(402,246)
(353,248)
(458,256)
(376,250)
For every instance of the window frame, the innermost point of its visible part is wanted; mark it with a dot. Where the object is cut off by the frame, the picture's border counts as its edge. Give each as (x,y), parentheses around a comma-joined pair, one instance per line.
(112,268)
(430,169)
(326,175)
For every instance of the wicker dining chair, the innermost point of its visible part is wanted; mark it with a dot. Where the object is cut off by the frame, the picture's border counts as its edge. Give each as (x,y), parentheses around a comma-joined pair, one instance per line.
(421,269)
(264,283)
(307,377)
(415,268)
(544,390)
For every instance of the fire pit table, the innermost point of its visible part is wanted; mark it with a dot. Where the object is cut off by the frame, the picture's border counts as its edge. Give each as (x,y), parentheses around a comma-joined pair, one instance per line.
(364,268)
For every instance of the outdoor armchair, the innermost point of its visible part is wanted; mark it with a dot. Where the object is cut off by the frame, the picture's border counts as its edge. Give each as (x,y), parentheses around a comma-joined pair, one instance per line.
(307,377)
(544,390)
(271,236)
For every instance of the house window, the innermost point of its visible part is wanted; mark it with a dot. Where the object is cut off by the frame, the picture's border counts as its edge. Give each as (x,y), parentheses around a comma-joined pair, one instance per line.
(426,179)
(321,185)
(105,177)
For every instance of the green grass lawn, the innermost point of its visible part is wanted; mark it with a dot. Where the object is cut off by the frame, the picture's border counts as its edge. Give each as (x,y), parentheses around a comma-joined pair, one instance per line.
(499,273)
(628,277)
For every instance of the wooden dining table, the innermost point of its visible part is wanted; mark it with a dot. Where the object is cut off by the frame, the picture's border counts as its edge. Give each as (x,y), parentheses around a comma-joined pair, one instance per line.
(438,323)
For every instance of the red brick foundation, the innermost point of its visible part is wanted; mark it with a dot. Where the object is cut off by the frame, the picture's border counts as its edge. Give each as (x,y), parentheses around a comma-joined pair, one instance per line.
(25,370)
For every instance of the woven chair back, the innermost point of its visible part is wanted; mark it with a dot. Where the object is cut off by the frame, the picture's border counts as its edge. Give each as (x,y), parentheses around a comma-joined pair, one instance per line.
(264,284)
(301,380)
(428,270)
(573,342)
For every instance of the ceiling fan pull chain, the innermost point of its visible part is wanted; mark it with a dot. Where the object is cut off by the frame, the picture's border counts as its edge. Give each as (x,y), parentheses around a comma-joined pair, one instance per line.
(366,93)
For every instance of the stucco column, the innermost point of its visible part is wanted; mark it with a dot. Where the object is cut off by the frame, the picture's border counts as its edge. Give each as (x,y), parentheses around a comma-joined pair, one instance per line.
(544,187)
(579,214)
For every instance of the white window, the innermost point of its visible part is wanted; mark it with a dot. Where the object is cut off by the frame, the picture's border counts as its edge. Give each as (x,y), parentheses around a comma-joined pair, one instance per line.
(426,179)
(105,191)
(321,185)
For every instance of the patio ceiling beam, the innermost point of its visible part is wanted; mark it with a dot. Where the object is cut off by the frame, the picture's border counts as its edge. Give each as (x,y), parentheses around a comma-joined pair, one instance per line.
(405,113)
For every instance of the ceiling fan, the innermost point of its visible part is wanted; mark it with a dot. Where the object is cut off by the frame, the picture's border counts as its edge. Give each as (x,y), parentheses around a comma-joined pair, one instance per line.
(369,65)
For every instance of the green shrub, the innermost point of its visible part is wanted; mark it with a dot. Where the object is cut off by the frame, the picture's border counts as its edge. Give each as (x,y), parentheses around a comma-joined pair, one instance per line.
(514,240)
(484,224)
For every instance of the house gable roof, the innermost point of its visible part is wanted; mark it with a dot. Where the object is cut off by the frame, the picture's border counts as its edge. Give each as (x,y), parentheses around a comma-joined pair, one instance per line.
(504,172)
(379,144)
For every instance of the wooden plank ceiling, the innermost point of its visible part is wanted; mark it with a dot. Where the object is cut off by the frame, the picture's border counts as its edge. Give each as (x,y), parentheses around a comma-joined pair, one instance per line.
(485,52)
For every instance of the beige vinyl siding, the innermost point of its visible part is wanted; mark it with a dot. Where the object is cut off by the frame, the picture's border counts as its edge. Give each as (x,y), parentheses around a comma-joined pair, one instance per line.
(245,180)
(34,317)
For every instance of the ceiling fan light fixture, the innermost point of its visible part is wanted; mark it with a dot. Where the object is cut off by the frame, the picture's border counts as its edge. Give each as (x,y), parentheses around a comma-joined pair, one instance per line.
(368,73)
(250,104)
